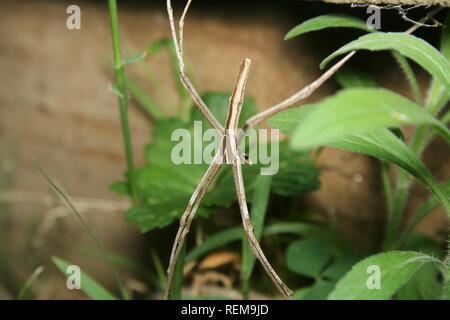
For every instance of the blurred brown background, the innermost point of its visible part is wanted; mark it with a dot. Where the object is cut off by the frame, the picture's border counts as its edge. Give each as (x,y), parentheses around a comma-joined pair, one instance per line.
(55,106)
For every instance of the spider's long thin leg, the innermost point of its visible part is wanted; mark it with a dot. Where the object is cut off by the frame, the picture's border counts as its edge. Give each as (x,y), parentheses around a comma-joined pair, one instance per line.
(248,227)
(178,43)
(291,101)
(188,216)
(236,101)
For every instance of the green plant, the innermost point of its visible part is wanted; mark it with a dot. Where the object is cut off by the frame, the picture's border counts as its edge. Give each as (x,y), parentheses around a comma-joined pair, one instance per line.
(367,120)
(120,89)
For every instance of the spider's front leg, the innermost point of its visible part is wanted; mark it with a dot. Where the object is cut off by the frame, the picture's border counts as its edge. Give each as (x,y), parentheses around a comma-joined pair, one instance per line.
(188,216)
(178,44)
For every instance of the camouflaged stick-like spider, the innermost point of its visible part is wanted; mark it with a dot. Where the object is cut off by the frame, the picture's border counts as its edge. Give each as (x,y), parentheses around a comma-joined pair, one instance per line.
(228,152)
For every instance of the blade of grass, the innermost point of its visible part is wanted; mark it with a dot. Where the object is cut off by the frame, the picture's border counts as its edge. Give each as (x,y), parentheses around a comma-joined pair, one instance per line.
(410,76)
(422,212)
(122,99)
(27,285)
(91,232)
(91,287)
(387,186)
(159,269)
(257,215)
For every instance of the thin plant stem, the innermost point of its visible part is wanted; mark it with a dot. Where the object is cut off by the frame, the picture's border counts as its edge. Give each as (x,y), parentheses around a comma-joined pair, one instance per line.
(387,186)
(28,283)
(90,231)
(404,179)
(122,99)
(159,268)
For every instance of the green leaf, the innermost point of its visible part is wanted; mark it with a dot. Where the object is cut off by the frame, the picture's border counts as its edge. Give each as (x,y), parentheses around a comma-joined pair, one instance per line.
(424,285)
(438,95)
(148,217)
(327,21)
(355,78)
(425,209)
(384,144)
(319,291)
(340,267)
(349,120)
(158,45)
(410,46)
(134,58)
(296,178)
(351,111)
(120,187)
(91,287)
(300,293)
(296,174)
(307,257)
(396,268)
(410,76)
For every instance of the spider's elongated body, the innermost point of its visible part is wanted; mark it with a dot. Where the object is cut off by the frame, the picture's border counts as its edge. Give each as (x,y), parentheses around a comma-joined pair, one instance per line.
(228,151)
